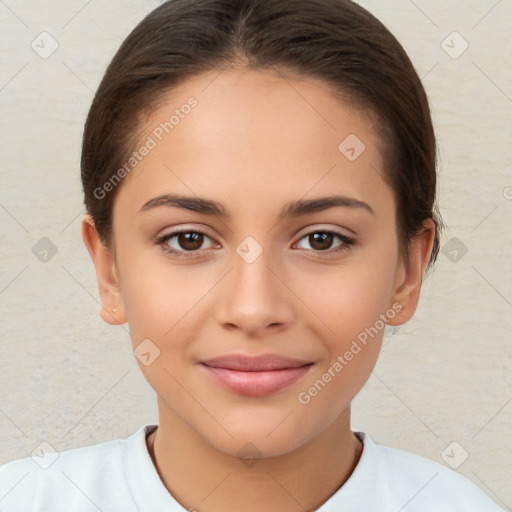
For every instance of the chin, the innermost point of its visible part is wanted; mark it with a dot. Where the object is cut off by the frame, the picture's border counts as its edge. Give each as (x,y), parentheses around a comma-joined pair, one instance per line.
(262,438)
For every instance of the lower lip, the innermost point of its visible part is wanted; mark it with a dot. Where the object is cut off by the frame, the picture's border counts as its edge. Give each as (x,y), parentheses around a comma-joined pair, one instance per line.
(255,383)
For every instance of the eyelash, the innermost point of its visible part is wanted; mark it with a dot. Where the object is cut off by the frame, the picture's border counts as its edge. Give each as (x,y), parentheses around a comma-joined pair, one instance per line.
(162,241)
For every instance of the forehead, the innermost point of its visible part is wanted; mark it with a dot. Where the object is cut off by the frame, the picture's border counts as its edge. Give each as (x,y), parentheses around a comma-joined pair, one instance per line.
(262,102)
(257,134)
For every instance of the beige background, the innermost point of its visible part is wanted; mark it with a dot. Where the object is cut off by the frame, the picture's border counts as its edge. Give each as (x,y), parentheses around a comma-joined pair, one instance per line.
(71,380)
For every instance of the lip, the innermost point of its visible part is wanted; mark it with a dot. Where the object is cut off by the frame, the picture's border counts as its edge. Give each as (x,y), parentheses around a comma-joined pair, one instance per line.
(255,376)
(266,362)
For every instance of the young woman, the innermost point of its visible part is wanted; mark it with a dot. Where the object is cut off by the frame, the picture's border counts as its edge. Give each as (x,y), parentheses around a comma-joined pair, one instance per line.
(260,182)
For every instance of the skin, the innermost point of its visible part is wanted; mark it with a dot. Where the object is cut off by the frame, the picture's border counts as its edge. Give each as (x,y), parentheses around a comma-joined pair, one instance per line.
(256,141)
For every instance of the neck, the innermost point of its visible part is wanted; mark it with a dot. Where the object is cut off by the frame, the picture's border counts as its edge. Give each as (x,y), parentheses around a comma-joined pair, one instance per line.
(205,479)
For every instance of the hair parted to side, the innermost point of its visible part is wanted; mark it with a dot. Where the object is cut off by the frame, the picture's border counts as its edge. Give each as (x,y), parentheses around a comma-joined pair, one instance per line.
(337,41)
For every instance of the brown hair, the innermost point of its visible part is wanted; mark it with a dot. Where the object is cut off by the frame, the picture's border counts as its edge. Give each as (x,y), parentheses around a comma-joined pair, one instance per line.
(334,40)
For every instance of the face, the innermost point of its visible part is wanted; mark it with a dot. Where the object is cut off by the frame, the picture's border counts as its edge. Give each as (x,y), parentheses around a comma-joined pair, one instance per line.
(267,275)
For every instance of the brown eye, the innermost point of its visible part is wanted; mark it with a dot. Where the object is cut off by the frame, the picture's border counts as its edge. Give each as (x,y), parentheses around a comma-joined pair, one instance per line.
(190,241)
(183,243)
(322,241)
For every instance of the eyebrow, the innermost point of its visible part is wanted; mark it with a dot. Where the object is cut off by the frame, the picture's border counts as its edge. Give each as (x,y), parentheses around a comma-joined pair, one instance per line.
(292,209)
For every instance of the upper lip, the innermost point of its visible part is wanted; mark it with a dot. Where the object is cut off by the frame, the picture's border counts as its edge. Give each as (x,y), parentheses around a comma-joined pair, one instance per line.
(261,363)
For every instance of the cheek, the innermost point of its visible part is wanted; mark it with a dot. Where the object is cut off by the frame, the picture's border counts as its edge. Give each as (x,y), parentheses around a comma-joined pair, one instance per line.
(353,306)
(163,299)
(341,300)
(349,298)
(159,301)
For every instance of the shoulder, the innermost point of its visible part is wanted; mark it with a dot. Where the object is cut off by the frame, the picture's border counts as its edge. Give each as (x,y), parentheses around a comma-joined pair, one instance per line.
(69,480)
(425,483)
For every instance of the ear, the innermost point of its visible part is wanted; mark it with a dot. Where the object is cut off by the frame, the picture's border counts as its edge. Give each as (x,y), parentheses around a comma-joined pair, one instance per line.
(410,274)
(106,274)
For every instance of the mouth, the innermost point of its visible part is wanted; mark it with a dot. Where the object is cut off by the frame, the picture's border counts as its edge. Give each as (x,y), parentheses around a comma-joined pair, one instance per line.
(255,376)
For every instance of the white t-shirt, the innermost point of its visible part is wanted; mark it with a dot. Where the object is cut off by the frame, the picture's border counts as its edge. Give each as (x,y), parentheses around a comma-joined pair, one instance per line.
(119,476)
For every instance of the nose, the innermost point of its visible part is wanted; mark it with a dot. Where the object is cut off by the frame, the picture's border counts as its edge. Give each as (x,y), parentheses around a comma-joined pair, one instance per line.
(255,297)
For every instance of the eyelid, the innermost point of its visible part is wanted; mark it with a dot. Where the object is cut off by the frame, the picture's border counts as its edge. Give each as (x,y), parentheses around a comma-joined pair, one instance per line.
(314,228)
(347,241)
(175,230)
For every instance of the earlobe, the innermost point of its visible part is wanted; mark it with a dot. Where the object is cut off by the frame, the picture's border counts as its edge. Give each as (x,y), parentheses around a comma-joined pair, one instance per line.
(112,309)
(410,274)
